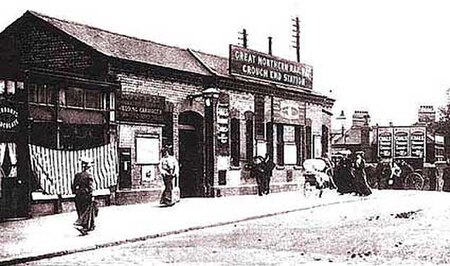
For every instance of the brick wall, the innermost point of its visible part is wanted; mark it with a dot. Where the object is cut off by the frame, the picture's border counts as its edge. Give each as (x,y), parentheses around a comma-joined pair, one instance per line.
(42,46)
(174,92)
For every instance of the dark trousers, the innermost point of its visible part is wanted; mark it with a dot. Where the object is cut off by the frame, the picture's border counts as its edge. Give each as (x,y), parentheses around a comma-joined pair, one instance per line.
(260,183)
(267,183)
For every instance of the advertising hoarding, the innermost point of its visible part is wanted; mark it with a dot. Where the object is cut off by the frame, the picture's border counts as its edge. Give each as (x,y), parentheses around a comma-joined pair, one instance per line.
(401,142)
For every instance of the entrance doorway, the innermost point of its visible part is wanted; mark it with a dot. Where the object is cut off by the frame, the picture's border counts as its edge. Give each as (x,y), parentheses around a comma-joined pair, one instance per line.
(191,154)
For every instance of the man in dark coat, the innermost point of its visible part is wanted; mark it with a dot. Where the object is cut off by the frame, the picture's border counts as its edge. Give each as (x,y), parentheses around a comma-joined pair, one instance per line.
(82,187)
(258,171)
(269,166)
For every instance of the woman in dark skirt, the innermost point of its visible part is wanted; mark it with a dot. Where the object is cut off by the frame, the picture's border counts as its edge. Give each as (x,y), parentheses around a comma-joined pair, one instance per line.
(361,186)
(85,205)
(169,169)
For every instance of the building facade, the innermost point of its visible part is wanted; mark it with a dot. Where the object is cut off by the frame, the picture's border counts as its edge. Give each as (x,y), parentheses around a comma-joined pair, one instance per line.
(68,86)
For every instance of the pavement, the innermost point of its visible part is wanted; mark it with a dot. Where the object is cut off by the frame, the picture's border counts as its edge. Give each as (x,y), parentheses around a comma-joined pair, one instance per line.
(54,235)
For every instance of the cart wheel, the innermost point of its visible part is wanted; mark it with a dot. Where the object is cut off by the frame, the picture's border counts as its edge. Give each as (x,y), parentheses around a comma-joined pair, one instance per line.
(414,181)
(308,190)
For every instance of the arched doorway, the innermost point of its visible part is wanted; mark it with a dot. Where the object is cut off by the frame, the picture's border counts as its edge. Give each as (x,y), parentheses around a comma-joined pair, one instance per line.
(191,154)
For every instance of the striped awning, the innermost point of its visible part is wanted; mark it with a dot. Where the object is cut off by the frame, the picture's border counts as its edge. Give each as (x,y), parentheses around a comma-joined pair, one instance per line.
(56,169)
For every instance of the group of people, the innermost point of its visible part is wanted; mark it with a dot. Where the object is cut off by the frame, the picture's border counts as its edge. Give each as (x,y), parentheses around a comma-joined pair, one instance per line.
(261,170)
(350,175)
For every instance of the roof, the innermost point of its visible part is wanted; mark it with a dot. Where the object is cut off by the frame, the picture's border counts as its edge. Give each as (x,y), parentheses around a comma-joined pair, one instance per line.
(148,52)
(217,64)
(128,48)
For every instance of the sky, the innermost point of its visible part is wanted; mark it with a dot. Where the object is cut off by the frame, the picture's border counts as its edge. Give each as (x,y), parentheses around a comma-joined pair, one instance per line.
(387,57)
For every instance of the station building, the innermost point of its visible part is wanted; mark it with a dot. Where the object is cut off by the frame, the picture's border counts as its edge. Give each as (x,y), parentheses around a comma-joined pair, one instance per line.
(65,86)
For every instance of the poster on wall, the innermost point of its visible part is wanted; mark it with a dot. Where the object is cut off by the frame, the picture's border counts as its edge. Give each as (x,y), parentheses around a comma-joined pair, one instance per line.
(148,173)
(147,150)
(401,142)
(385,142)
(417,143)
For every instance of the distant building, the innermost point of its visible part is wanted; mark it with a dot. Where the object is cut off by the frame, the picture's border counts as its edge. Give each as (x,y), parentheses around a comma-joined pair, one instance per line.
(357,137)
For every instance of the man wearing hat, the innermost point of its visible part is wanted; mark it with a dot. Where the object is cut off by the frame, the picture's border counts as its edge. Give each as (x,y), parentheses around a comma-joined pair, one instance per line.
(82,187)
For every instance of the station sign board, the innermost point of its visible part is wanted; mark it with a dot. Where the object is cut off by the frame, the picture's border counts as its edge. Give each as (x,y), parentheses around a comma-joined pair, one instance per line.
(257,65)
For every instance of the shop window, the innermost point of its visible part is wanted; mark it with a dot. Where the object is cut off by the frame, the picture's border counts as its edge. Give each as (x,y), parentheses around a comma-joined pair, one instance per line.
(235,141)
(74,97)
(280,145)
(259,117)
(249,136)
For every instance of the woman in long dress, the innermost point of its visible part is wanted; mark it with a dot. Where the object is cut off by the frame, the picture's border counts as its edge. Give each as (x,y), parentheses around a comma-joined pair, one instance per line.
(168,167)
(361,186)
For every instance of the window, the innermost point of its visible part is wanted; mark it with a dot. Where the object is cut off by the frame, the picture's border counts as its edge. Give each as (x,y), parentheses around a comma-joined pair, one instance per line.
(269,134)
(235,141)
(10,86)
(325,136)
(280,145)
(299,131)
(308,142)
(259,117)
(249,136)
(74,97)
(33,93)
(93,99)
(42,93)
(2,86)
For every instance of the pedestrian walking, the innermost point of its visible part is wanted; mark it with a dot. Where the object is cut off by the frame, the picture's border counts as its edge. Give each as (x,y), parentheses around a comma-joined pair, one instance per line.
(258,171)
(344,176)
(82,187)
(446,177)
(169,169)
(268,171)
(361,186)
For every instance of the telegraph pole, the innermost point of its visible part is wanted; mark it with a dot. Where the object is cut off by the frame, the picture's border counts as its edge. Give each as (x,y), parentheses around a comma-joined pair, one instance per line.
(243,37)
(296,36)
(270,45)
